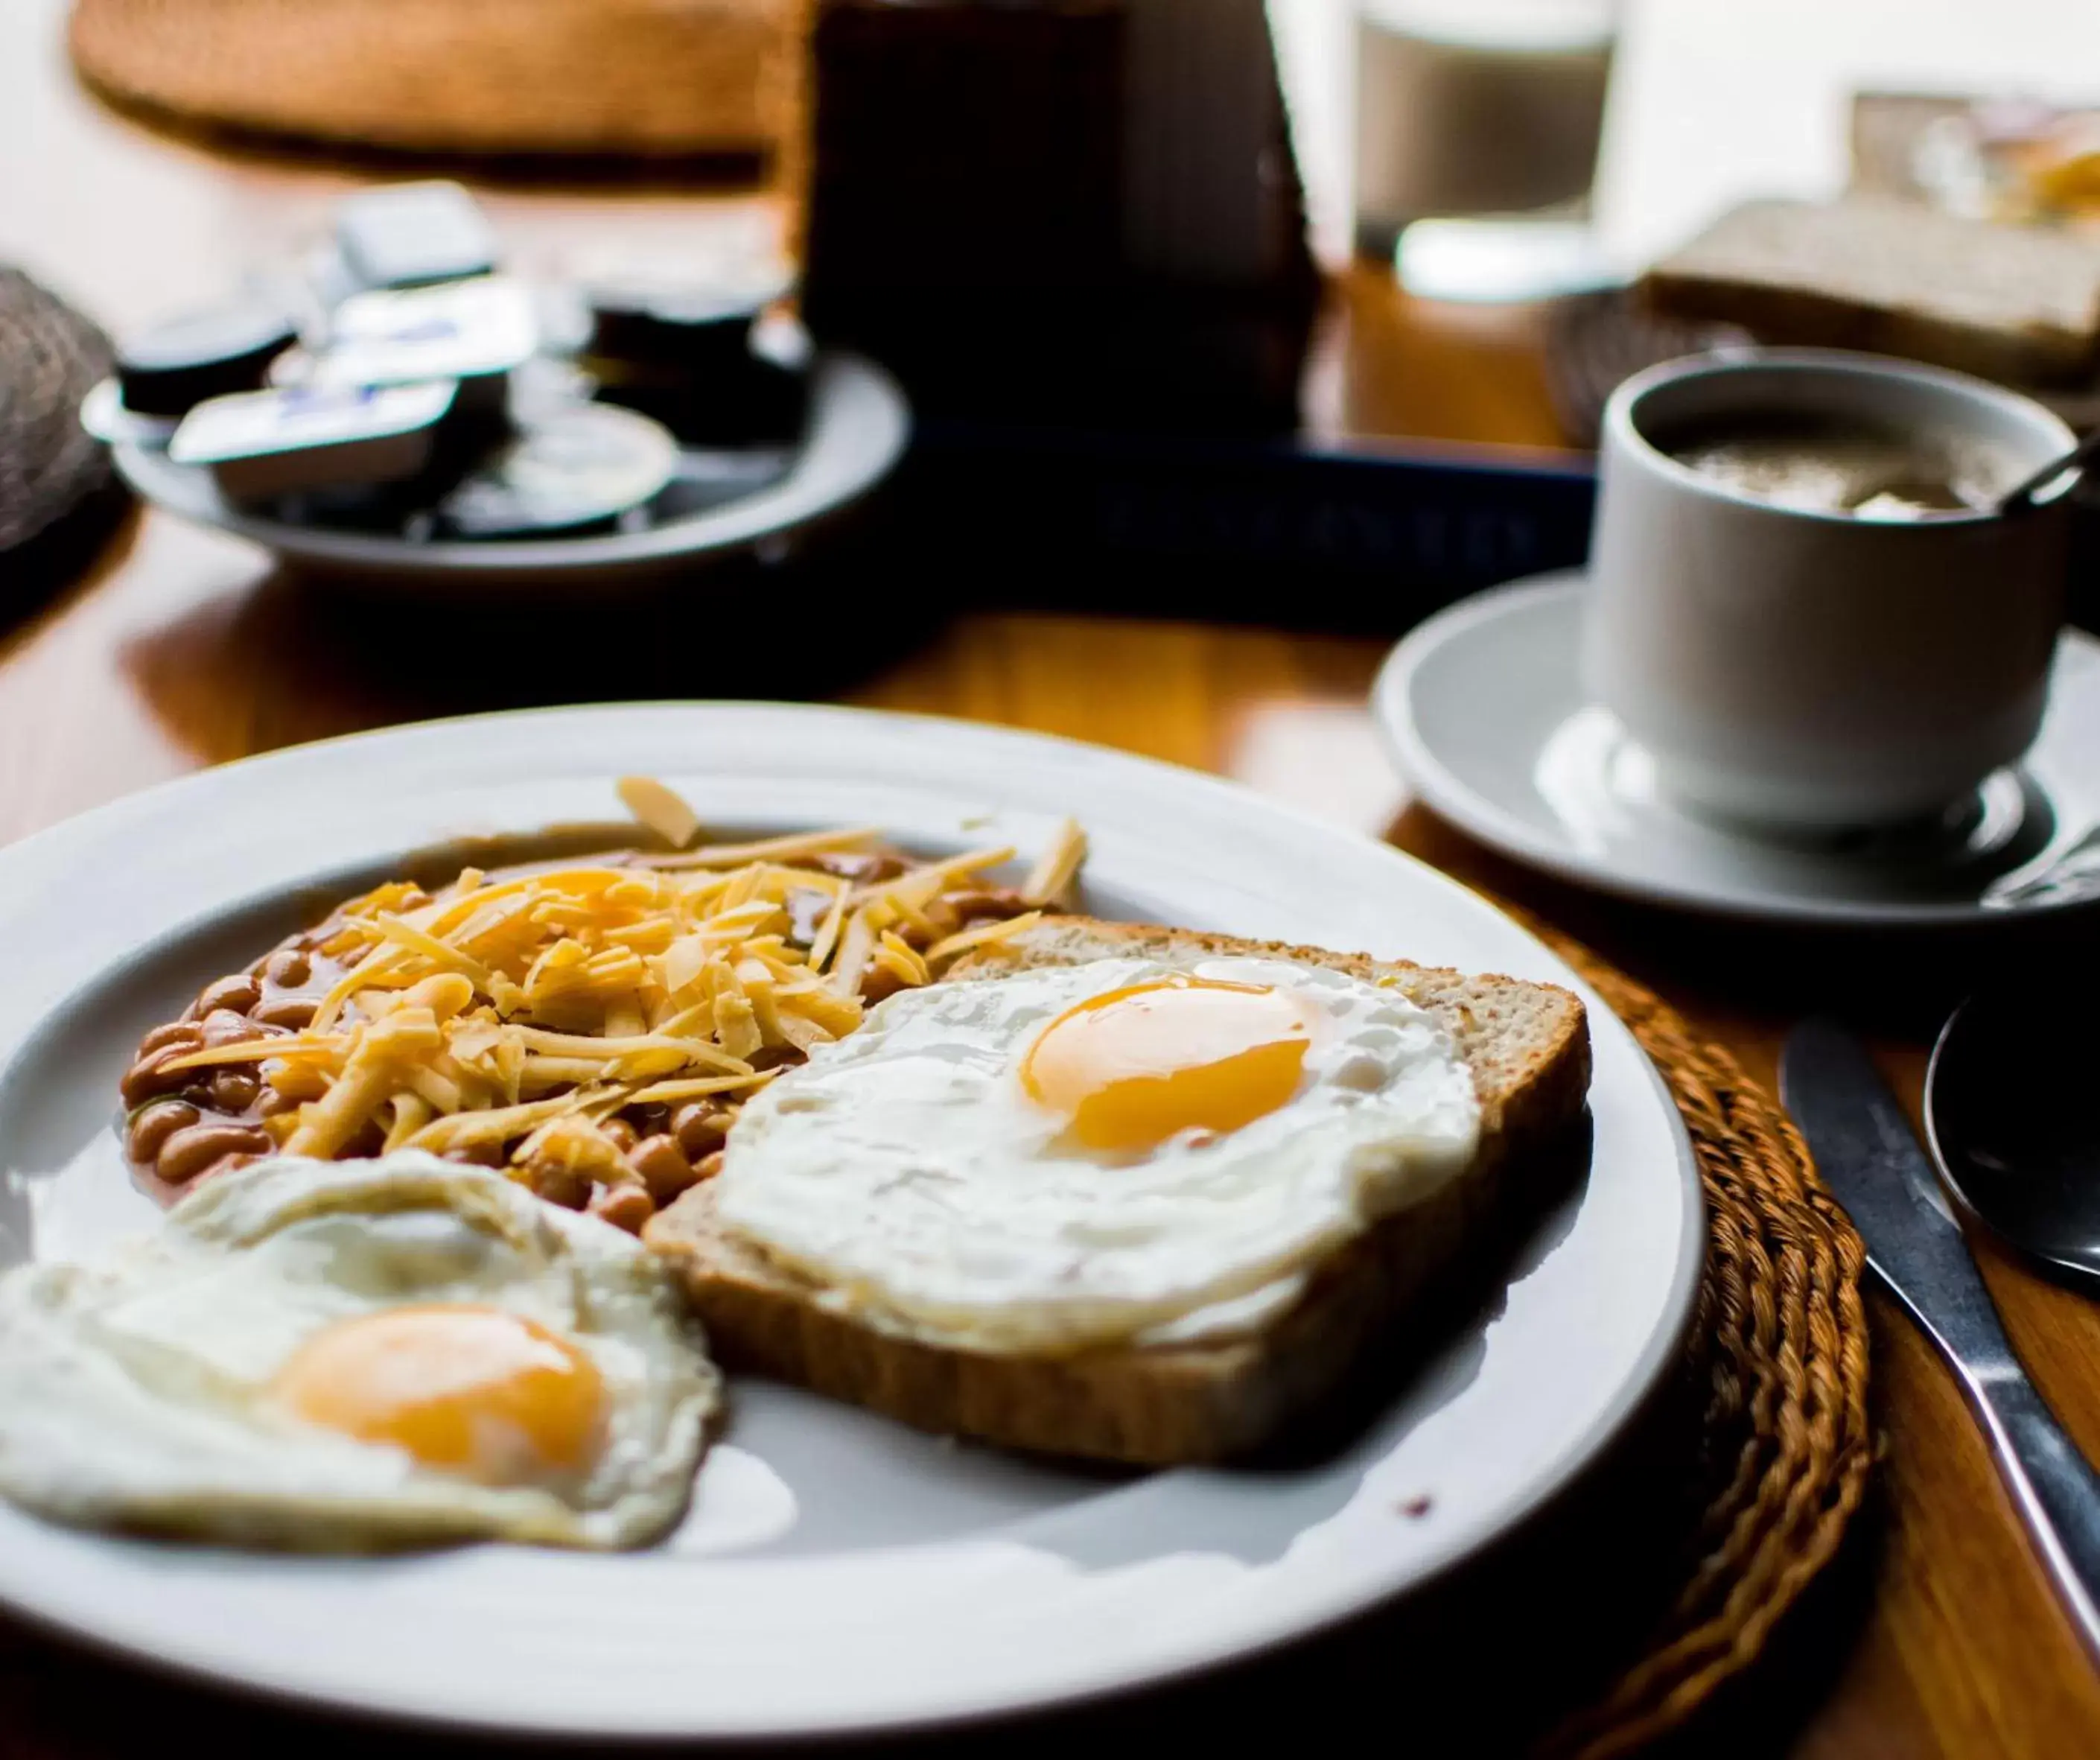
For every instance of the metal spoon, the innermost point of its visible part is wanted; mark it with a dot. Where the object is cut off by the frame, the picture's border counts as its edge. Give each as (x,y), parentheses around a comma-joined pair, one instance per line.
(2012,1108)
(2023,492)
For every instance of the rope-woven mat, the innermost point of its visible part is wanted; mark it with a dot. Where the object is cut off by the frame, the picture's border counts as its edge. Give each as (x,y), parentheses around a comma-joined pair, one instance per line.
(1778,1363)
(647,78)
(50,469)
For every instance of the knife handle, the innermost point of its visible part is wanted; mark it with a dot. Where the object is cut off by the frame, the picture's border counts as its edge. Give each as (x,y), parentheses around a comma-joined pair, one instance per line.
(2052,1487)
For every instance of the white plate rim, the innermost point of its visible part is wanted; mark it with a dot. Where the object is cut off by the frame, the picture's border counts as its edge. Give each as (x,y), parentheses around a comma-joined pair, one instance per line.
(1604,1427)
(1479,816)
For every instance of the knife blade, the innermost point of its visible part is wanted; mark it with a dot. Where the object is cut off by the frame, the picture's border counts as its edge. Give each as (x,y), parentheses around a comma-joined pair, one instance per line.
(1868,1155)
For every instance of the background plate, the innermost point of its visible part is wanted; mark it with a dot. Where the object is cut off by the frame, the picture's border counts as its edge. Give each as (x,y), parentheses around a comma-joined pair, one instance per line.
(839,1572)
(859,426)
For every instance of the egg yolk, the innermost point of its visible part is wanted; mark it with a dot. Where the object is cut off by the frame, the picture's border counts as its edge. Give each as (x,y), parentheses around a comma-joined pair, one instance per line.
(1135,1066)
(492,1395)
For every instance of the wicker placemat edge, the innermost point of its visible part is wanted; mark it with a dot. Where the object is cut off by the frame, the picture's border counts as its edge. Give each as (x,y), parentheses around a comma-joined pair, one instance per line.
(1780,1343)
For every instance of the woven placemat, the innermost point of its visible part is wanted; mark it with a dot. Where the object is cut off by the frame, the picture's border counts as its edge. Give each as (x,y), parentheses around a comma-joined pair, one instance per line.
(1777,1363)
(50,471)
(626,78)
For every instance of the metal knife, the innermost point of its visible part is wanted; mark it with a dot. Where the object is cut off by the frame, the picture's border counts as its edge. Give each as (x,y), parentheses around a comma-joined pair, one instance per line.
(1868,1155)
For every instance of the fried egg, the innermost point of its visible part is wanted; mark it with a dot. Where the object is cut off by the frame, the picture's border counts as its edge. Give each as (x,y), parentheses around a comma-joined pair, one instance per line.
(357,1355)
(1069,1157)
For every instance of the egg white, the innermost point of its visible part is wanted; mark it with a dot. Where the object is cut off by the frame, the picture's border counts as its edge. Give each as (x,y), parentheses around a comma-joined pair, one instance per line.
(907,1172)
(135,1392)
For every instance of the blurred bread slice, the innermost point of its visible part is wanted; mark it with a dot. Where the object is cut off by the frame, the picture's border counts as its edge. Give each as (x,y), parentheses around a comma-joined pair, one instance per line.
(2015,303)
(624,78)
(1528,1046)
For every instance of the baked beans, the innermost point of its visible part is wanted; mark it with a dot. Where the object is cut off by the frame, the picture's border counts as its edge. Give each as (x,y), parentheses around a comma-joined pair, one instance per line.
(184,1125)
(663,1167)
(201,1148)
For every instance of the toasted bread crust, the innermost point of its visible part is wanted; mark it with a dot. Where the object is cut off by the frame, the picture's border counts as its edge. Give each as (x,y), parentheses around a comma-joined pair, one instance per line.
(1527,1045)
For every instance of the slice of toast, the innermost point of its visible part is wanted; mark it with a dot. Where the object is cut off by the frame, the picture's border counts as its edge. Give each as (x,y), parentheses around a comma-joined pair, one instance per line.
(1528,1046)
(2015,303)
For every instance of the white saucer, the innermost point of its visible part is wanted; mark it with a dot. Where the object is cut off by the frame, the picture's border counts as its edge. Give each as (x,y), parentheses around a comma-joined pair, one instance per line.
(1483,711)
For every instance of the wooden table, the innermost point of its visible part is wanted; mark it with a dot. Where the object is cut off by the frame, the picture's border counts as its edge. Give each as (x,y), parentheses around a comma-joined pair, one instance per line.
(180,649)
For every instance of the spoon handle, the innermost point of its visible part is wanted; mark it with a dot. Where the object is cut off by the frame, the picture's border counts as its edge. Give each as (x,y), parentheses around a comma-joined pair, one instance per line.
(2056,1493)
(2078,458)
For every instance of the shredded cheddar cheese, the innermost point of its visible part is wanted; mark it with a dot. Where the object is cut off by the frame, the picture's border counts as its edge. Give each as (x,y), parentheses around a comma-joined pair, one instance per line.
(1051,881)
(517,1016)
(659,809)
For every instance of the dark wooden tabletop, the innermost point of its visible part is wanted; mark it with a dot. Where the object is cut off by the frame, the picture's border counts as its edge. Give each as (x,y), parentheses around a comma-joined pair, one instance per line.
(178,649)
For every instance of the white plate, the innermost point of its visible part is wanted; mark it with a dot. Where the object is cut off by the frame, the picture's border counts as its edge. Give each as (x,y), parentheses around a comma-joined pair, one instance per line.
(839,1572)
(1486,718)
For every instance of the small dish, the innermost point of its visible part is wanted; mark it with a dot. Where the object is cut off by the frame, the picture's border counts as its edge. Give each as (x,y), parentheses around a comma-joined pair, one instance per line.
(717,504)
(1483,711)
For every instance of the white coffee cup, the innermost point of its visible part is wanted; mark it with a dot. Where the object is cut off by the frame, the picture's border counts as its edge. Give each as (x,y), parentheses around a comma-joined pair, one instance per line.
(1811,671)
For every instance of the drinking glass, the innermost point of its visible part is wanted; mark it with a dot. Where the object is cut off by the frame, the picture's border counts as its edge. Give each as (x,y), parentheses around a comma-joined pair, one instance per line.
(1477,125)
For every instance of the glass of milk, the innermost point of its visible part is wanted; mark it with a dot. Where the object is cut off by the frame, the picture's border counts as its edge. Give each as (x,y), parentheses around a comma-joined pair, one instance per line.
(1477,124)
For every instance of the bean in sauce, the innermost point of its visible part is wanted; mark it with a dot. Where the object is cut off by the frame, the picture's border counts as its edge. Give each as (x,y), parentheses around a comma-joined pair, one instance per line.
(233,1090)
(190,1151)
(863,867)
(186,1034)
(625,1206)
(559,1184)
(662,1166)
(988,904)
(186,1124)
(288,969)
(150,1076)
(699,1128)
(236,995)
(223,1026)
(153,1124)
(292,1012)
